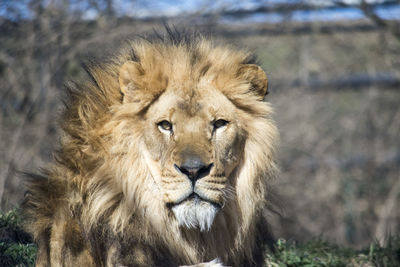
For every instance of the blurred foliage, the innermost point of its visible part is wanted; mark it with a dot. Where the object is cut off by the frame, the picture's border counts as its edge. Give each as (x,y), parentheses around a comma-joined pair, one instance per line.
(16,247)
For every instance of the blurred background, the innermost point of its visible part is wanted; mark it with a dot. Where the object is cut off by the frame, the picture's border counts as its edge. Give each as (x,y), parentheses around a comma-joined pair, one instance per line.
(334,72)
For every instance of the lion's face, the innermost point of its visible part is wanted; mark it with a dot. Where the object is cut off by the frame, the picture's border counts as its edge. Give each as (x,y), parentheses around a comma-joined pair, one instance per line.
(195,141)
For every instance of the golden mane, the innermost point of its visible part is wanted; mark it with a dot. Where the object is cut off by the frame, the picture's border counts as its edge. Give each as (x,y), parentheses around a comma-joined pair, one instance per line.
(87,187)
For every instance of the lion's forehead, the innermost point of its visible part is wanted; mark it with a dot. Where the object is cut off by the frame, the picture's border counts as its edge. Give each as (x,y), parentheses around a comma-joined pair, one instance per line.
(206,101)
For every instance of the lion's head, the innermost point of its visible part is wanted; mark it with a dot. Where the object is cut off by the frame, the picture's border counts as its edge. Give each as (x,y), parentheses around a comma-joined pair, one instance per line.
(194,106)
(174,136)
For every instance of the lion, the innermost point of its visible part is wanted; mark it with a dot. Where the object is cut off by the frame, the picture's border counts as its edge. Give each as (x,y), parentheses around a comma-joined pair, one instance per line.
(165,159)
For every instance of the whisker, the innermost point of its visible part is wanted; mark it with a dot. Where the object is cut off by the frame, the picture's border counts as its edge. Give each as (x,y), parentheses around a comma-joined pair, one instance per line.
(218,175)
(165,181)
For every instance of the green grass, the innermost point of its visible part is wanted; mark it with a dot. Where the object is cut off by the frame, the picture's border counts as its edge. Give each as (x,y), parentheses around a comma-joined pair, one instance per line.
(13,254)
(320,253)
(17,249)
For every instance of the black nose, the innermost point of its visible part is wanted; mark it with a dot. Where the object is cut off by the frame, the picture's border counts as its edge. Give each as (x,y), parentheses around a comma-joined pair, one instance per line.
(194,169)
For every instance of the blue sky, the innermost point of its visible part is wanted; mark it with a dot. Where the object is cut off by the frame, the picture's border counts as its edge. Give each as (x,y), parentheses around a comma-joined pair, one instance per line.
(143,8)
(171,8)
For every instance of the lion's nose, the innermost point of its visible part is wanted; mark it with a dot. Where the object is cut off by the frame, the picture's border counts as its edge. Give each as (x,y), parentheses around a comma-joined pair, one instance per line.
(194,168)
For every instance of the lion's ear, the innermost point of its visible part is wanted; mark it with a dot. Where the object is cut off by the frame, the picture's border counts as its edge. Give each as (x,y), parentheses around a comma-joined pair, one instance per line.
(129,80)
(257,78)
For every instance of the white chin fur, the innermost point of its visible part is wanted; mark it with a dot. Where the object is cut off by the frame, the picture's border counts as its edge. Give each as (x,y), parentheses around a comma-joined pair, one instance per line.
(195,213)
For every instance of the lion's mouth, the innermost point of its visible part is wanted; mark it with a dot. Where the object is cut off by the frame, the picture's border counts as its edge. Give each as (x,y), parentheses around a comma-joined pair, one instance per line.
(195,198)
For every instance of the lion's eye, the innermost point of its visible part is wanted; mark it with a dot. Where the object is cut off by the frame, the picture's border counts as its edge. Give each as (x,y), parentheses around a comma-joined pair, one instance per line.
(165,125)
(220,123)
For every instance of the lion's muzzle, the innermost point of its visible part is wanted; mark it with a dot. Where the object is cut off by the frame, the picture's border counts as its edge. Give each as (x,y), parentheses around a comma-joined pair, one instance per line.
(194,168)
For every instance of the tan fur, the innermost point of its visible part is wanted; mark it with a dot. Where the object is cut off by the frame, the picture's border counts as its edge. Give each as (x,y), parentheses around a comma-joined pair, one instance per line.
(107,198)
